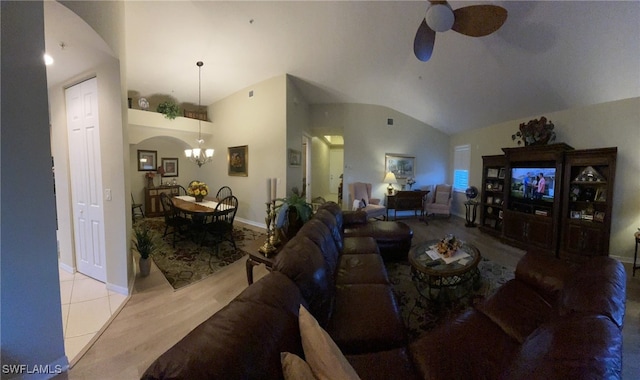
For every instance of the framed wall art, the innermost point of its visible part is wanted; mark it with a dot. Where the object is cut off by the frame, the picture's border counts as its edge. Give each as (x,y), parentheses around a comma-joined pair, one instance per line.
(170,166)
(295,157)
(238,158)
(147,160)
(401,165)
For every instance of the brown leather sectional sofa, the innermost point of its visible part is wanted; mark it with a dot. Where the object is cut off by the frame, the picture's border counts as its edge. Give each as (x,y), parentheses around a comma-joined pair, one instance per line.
(551,321)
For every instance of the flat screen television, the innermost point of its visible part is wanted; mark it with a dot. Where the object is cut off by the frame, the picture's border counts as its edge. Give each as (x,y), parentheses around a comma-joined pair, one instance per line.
(525,184)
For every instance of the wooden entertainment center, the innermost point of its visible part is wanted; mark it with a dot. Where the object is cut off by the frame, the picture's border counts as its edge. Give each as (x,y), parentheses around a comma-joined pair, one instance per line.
(568,216)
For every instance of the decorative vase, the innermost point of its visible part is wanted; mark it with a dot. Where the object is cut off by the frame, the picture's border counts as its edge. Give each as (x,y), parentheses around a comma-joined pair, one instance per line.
(145,266)
(150,184)
(199,198)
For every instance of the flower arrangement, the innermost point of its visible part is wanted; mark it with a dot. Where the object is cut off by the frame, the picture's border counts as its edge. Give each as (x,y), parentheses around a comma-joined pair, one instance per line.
(410,182)
(448,246)
(198,190)
(535,132)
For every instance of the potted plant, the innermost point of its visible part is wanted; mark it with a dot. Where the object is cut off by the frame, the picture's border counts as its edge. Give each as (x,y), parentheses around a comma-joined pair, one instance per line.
(144,245)
(169,109)
(298,211)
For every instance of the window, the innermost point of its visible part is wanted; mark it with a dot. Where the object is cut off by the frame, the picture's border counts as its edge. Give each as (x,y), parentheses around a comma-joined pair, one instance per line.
(461,164)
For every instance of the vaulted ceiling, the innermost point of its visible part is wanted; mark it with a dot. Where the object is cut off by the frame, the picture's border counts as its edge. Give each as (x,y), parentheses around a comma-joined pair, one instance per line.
(548,56)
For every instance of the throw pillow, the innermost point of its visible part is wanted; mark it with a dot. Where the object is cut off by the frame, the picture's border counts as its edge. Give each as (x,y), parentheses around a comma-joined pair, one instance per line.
(294,368)
(322,353)
(442,197)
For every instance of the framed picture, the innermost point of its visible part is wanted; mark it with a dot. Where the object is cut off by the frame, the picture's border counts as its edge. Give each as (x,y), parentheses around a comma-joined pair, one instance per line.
(490,200)
(401,165)
(170,166)
(501,173)
(601,195)
(576,215)
(238,158)
(598,216)
(492,173)
(147,160)
(295,157)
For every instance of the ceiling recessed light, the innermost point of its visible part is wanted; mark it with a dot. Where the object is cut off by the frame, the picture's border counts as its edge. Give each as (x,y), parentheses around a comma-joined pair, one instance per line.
(48,60)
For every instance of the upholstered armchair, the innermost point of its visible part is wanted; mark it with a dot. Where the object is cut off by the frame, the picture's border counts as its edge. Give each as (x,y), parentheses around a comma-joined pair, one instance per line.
(360,199)
(440,202)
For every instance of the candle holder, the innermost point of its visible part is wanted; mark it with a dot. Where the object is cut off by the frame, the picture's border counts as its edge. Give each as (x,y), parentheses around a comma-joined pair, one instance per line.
(268,248)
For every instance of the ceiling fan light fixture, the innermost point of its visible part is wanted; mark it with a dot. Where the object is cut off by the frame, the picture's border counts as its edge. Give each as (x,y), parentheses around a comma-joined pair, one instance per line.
(440,17)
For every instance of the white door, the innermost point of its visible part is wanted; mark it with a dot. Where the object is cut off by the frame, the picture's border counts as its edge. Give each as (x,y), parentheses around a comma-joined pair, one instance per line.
(336,167)
(86,178)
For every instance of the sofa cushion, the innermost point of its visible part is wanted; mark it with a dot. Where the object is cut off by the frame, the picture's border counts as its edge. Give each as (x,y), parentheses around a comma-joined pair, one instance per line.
(330,221)
(366,319)
(320,351)
(302,261)
(517,309)
(597,287)
(318,233)
(384,365)
(361,269)
(393,238)
(360,244)
(573,347)
(242,340)
(547,274)
(469,346)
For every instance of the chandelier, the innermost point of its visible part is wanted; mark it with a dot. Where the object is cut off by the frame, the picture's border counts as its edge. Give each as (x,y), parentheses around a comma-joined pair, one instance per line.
(199,155)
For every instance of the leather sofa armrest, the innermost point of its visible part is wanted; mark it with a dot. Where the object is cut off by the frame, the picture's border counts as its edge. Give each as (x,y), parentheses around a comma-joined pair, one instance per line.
(351,218)
(544,273)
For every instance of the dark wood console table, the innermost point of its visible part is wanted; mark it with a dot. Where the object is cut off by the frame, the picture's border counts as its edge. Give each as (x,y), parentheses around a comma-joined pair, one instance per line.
(407,201)
(152,205)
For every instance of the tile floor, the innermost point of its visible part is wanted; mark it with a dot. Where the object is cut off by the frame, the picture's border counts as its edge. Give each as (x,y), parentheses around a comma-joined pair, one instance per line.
(87,307)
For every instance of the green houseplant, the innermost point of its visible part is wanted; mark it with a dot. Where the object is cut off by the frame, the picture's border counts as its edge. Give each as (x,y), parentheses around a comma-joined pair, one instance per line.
(144,243)
(169,109)
(298,212)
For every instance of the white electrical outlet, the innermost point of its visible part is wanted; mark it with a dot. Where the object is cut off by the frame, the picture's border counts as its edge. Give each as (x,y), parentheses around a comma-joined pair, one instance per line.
(107,194)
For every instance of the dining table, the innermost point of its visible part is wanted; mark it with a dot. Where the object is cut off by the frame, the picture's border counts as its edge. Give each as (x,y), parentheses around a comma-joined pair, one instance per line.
(188,205)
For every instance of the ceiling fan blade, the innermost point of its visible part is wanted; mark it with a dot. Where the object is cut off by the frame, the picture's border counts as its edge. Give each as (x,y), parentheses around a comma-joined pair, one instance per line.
(424,41)
(479,20)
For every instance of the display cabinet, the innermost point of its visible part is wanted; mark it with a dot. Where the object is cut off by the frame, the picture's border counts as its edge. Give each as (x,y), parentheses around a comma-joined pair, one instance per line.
(586,213)
(533,196)
(492,194)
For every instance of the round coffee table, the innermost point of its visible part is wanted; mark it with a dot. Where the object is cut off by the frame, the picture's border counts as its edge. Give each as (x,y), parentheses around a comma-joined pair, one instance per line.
(437,280)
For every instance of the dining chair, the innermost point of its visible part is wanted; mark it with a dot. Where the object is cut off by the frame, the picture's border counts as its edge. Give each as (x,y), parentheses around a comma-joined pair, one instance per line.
(135,206)
(224,192)
(182,190)
(221,225)
(172,218)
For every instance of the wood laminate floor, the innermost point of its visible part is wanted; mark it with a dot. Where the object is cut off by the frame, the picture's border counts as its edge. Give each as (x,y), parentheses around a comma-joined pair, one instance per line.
(156,317)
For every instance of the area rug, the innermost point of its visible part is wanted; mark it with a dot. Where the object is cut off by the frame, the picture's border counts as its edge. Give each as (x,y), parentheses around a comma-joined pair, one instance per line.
(421,314)
(189,262)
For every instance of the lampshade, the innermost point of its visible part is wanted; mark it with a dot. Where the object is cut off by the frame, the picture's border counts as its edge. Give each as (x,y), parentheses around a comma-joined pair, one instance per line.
(390,178)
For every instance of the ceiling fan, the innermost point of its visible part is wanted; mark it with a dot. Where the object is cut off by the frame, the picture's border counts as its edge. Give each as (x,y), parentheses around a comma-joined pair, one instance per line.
(473,21)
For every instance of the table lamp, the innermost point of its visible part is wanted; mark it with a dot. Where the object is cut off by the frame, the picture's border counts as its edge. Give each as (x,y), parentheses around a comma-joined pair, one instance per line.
(390,178)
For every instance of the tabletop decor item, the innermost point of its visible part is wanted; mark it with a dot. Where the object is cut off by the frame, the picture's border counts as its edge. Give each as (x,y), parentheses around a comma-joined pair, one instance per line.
(448,246)
(198,190)
(411,181)
(535,132)
(149,177)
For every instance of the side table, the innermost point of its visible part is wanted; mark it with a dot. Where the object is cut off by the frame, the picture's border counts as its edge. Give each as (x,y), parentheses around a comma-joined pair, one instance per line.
(635,254)
(257,258)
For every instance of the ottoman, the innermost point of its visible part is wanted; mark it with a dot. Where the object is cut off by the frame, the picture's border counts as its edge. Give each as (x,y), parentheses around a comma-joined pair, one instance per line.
(393,238)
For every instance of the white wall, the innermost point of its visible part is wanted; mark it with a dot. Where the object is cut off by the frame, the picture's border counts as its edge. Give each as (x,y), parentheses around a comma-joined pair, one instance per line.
(319,168)
(298,124)
(367,138)
(613,124)
(30,311)
(259,122)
